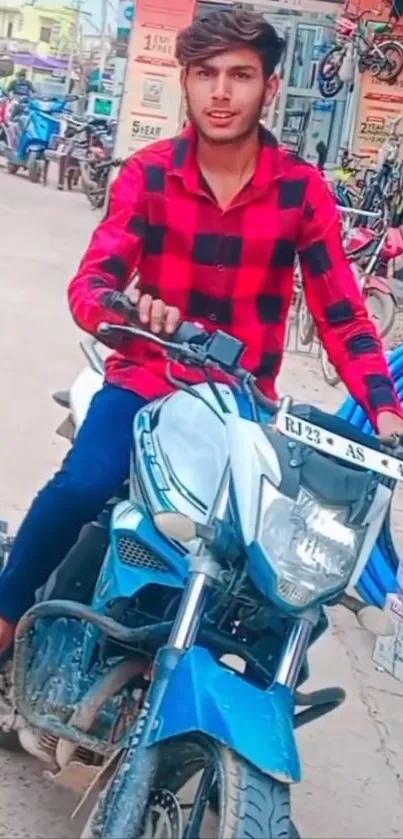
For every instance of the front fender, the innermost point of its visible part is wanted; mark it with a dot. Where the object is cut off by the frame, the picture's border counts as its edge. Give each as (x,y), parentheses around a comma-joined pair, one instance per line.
(207,697)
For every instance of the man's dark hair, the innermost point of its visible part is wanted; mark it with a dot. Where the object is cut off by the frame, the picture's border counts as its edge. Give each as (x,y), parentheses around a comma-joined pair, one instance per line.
(226,29)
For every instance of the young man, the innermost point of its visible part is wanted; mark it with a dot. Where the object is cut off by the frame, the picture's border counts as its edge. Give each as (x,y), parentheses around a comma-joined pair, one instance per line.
(211,220)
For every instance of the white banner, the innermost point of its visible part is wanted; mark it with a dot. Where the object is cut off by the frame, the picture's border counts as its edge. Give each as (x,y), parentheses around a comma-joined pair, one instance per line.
(151,103)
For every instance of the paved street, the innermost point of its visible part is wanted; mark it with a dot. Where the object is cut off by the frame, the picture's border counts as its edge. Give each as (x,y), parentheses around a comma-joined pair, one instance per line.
(353,759)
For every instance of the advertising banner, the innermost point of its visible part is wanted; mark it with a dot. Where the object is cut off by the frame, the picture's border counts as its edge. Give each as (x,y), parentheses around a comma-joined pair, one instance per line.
(151,102)
(378,104)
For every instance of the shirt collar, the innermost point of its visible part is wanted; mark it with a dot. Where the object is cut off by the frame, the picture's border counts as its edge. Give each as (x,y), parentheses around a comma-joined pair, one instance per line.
(269,165)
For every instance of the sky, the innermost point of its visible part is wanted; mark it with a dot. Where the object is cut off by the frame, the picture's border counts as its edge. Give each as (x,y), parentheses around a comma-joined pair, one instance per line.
(94,6)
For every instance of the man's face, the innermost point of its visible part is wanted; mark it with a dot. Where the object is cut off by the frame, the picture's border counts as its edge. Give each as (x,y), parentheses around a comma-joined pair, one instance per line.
(225,94)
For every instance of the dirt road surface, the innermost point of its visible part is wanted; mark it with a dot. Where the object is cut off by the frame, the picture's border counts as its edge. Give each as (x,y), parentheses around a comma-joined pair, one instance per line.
(353,759)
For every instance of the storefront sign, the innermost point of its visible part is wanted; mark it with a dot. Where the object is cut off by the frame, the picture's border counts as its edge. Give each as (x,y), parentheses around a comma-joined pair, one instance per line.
(126,15)
(151,102)
(379,103)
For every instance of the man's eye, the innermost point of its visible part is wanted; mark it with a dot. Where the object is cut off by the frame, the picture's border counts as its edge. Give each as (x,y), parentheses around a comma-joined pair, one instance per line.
(203,74)
(242,75)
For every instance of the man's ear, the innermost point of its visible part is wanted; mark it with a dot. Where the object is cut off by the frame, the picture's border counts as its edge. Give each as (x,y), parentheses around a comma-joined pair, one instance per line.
(272,86)
(183,77)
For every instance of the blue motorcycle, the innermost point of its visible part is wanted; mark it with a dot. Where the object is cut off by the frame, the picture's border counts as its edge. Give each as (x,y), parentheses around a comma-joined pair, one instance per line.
(166,655)
(30,133)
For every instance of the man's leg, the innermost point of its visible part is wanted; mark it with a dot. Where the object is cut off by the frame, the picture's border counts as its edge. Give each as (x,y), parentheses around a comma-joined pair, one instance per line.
(93,472)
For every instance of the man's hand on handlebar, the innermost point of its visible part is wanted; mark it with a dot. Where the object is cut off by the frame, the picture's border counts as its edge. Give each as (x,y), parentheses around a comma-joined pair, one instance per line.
(142,310)
(155,314)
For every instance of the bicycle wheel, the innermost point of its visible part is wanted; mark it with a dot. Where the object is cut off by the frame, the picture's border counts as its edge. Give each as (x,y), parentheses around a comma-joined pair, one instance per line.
(330,87)
(382,309)
(330,64)
(306,324)
(393,62)
(330,373)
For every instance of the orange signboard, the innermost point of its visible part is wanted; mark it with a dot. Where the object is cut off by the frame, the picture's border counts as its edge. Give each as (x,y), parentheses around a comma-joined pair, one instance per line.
(379,103)
(151,102)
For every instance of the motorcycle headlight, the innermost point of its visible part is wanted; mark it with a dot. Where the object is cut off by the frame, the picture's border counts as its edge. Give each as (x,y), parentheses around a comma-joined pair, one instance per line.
(310,547)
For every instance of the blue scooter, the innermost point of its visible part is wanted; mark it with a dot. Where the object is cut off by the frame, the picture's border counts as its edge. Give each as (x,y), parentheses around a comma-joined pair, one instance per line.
(31,132)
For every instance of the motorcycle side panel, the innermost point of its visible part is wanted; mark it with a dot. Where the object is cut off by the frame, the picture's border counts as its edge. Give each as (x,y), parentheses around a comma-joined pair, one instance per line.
(181,452)
(149,558)
(205,696)
(82,391)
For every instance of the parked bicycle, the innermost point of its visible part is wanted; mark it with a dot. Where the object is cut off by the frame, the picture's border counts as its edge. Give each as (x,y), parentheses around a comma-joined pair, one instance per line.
(349,179)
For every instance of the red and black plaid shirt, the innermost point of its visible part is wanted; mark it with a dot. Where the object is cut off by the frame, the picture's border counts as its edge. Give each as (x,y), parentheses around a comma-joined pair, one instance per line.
(231,269)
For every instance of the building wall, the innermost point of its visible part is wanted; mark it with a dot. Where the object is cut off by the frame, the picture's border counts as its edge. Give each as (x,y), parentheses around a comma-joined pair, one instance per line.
(47,26)
(10,22)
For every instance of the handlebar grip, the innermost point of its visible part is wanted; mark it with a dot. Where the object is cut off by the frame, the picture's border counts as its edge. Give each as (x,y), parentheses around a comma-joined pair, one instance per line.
(122,305)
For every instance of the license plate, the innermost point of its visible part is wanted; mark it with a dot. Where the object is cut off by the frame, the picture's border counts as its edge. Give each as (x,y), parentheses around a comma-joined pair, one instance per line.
(340,447)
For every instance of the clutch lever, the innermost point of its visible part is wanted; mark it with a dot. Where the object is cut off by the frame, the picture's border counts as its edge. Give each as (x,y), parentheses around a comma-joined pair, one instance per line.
(106,329)
(183,349)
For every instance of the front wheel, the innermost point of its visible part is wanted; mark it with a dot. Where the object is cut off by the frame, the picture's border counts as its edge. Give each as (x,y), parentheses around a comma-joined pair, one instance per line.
(331,63)
(34,167)
(200,789)
(330,87)
(382,309)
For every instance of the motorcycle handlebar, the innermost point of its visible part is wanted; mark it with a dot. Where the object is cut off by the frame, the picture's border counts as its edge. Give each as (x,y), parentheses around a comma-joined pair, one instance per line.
(190,343)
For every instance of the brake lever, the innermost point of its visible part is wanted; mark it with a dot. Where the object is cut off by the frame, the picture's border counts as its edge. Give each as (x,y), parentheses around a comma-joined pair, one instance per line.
(105,329)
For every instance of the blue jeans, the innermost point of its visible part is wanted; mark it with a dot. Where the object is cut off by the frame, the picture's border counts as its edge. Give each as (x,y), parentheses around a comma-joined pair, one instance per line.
(91,474)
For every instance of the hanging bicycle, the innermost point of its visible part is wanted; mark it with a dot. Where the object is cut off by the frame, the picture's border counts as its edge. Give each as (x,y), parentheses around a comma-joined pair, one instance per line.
(363,44)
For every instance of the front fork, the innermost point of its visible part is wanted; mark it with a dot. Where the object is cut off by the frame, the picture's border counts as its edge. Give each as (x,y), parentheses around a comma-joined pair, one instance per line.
(296,649)
(143,760)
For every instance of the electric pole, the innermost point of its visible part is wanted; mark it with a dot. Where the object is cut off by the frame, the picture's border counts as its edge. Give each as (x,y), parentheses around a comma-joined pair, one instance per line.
(104,44)
(72,53)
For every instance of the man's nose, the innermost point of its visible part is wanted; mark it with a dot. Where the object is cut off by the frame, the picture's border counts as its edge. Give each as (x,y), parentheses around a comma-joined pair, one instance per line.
(221,87)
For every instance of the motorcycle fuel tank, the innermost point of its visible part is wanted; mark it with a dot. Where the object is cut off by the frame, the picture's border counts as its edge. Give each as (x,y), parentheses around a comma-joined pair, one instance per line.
(181,452)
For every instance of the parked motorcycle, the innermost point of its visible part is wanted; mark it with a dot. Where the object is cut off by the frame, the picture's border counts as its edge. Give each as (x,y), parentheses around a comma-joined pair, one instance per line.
(357,45)
(9,108)
(95,168)
(242,519)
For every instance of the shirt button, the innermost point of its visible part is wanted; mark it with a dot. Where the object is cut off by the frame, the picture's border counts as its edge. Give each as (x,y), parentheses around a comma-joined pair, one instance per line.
(213,317)
(220,268)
